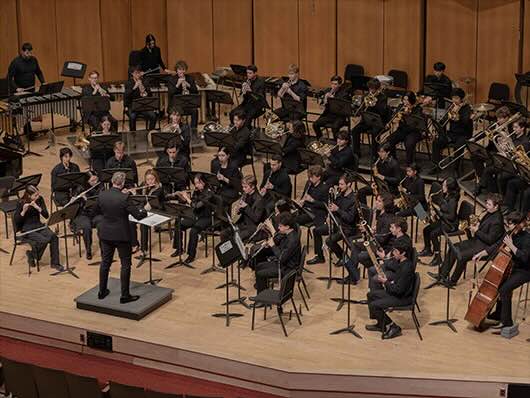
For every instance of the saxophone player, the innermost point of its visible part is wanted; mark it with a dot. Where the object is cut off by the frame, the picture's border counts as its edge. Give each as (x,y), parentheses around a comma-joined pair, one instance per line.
(412,187)
(134,89)
(296,90)
(327,118)
(252,105)
(95,89)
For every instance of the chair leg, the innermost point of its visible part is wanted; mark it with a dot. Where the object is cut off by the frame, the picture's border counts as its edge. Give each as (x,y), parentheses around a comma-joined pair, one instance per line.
(7,226)
(296,311)
(417,306)
(265,312)
(13,254)
(417,324)
(253,315)
(303,297)
(280,310)
(305,288)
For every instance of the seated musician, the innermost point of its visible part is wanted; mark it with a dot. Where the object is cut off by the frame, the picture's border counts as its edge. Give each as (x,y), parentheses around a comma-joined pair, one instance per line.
(380,108)
(385,168)
(439,78)
(340,159)
(380,224)
(201,203)
(335,90)
(459,127)
(174,158)
(486,233)
(242,139)
(275,178)
(394,289)
(296,90)
(290,151)
(151,57)
(99,158)
(406,133)
(121,160)
(27,218)
(343,207)
(413,188)
(183,84)
(228,175)
(518,244)
(253,91)
(61,196)
(183,130)
(135,89)
(445,219)
(314,200)
(286,249)
(94,89)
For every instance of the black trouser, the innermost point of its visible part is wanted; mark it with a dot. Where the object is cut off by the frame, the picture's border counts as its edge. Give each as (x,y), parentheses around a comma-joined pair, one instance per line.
(333,243)
(107,254)
(320,229)
(196,226)
(356,132)
(373,280)
(334,121)
(466,250)
(431,236)
(379,300)
(83,223)
(61,197)
(442,142)
(410,137)
(517,278)
(358,255)
(149,116)
(286,116)
(38,241)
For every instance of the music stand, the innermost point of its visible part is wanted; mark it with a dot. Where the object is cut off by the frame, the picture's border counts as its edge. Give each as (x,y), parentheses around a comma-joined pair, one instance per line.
(268,147)
(382,186)
(160,140)
(292,106)
(179,211)
(523,172)
(218,140)
(188,103)
(210,179)
(105,175)
(51,88)
(339,106)
(22,183)
(6,185)
(228,252)
(360,82)
(95,104)
(73,69)
(102,144)
(502,163)
(240,70)
(415,122)
(172,175)
(218,97)
(145,104)
(436,90)
(66,213)
(309,157)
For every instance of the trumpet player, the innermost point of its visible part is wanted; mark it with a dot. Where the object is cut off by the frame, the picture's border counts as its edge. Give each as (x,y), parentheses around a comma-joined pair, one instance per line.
(340,159)
(327,118)
(134,89)
(95,89)
(121,160)
(296,90)
(253,91)
(174,159)
(412,187)
(488,232)
(177,126)
(60,195)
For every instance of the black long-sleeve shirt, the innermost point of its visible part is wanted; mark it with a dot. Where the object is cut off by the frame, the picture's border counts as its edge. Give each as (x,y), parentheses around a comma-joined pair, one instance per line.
(229,191)
(341,159)
(347,213)
(281,183)
(491,228)
(415,187)
(132,93)
(31,219)
(464,125)
(61,169)
(22,72)
(151,58)
(126,162)
(382,229)
(173,90)
(257,87)
(521,259)
(401,282)
(320,195)
(291,159)
(254,212)
(389,168)
(243,144)
(288,250)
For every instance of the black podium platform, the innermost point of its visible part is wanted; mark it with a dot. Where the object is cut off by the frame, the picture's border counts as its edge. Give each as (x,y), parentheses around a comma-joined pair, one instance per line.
(151,297)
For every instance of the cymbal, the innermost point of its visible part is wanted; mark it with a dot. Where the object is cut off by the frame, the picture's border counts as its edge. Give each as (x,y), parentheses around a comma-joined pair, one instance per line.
(483,107)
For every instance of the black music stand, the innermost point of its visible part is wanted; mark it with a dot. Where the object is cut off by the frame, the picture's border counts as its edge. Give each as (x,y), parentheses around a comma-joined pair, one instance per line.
(210,179)
(160,140)
(240,70)
(382,186)
(189,103)
(415,122)
(503,164)
(102,143)
(228,252)
(218,97)
(66,213)
(524,172)
(373,120)
(73,69)
(95,104)
(6,186)
(22,183)
(309,157)
(268,147)
(146,104)
(293,107)
(339,106)
(105,175)
(179,211)
(218,140)
(360,82)
(436,90)
(173,176)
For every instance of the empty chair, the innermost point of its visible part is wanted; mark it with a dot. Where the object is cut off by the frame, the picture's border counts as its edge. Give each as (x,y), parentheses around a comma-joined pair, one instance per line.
(118,390)
(19,379)
(353,70)
(401,78)
(155,394)
(51,383)
(83,386)
(498,92)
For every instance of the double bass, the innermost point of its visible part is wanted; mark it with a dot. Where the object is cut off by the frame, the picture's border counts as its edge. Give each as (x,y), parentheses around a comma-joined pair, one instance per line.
(488,292)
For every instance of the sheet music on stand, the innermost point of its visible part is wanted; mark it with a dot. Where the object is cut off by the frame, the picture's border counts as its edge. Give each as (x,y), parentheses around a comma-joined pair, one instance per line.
(152,219)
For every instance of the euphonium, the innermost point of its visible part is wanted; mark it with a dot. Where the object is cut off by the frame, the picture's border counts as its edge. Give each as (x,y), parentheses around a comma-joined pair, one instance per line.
(474,219)
(81,141)
(403,201)
(370,99)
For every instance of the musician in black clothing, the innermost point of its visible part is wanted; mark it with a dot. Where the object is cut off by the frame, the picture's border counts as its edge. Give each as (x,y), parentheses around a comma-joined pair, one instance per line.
(120,160)
(335,90)
(114,233)
(134,89)
(151,57)
(286,248)
(290,151)
(443,83)
(61,196)
(514,185)
(183,130)
(443,218)
(242,139)
(98,158)
(183,84)
(487,233)
(275,178)
(344,209)
(380,108)
(27,218)
(228,175)
(314,200)
(95,90)
(413,188)
(174,158)
(396,290)
(294,90)
(253,91)
(340,159)
(405,132)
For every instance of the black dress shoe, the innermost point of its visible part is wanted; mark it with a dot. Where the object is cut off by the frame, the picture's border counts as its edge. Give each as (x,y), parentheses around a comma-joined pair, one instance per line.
(434,275)
(141,260)
(89,255)
(393,331)
(189,260)
(58,267)
(339,263)
(176,253)
(128,299)
(316,260)
(102,295)
(436,261)
(31,259)
(374,328)
(448,283)
(425,253)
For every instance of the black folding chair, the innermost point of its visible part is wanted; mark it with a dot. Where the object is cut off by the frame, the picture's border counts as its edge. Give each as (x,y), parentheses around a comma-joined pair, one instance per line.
(83,386)
(19,379)
(51,383)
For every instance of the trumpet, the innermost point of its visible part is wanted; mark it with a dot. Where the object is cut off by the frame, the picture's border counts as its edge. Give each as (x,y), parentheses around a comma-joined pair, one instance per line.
(245,87)
(285,86)
(98,89)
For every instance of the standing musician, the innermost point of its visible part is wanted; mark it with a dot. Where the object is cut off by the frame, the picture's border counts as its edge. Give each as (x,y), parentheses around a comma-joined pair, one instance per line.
(519,246)
(276,179)
(183,84)
(340,159)
(459,127)
(396,286)
(387,169)
(99,158)
(296,90)
(60,196)
(27,218)
(114,233)
(405,133)
(485,233)
(445,219)
(242,139)
(344,209)
(121,160)
(228,175)
(21,76)
(440,78)
(314,200)
(94,89)
(183,130)
(295,140)
(134,89)
(335,90)
(253,92)
(286,249)
(151,57)
(375,102)
(412,187)
(174,158)
(514,184)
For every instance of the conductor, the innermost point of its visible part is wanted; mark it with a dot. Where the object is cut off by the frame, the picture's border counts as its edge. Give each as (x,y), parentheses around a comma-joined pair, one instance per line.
(114,233)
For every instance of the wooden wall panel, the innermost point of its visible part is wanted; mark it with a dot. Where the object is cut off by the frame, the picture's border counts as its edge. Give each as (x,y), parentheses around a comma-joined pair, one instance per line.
(149,16)
(116,38)
(232,32)
(9,46)
(360,35)
(190,32)
(451,37)
(403,39)
(498,44)
(275,35)
(36,22)
(79,33)
(318,40)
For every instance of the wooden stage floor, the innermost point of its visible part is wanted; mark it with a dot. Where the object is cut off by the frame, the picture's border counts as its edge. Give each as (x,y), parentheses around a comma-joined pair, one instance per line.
(183,337)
